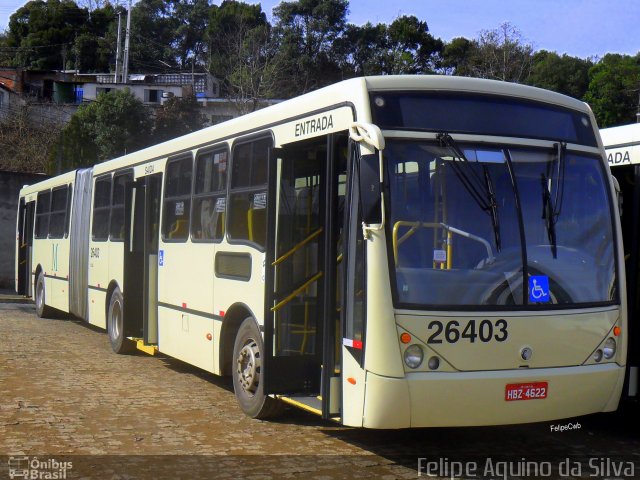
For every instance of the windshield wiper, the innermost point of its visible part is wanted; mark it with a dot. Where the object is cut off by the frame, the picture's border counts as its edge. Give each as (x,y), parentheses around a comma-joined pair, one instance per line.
(480,188)
(551,208)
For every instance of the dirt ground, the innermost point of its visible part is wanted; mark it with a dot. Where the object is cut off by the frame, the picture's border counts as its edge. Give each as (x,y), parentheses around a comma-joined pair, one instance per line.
(65,397)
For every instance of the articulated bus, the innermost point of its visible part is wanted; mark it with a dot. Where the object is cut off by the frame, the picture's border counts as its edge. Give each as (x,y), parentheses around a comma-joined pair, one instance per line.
(622,147)
(386,252)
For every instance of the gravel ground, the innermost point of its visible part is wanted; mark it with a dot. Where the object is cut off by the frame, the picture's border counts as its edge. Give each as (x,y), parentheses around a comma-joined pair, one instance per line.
(65,397)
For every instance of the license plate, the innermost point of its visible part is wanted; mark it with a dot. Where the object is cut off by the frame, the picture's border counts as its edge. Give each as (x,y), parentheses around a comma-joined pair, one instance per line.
(526,391)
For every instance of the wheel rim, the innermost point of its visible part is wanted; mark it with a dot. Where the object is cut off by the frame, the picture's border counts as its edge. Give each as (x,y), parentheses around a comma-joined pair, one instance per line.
(115,319)
(248,366)
(40,295)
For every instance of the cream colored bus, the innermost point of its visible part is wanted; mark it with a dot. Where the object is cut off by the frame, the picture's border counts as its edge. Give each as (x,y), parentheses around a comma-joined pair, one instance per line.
(386,252)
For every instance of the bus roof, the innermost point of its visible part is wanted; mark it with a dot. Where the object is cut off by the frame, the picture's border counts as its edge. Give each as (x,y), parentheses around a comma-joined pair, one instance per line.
(352,92)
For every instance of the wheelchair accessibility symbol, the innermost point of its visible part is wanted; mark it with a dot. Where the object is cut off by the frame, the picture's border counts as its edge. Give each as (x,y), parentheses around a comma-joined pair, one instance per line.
(539,289)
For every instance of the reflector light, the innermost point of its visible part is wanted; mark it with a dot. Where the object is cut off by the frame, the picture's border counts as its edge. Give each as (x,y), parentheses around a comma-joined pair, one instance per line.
(405,337)
(209,336)
(347,342)
(616,331)
(351,380)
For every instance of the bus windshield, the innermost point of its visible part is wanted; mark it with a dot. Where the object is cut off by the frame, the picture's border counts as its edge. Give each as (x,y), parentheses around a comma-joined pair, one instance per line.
(472,225)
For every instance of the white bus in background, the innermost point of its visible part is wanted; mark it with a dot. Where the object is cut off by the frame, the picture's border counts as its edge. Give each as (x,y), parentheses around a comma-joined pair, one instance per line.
(622,146)
(386,252)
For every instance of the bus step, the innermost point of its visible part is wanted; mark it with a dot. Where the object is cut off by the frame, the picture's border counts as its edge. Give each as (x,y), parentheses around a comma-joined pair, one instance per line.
(309,403)
(148,349)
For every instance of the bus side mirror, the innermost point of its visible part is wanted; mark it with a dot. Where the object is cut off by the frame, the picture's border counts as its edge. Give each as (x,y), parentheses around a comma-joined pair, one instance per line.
(370,199)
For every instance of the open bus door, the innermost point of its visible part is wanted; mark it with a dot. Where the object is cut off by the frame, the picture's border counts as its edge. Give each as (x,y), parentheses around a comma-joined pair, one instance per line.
(301,313)
(142,219)
(26,217)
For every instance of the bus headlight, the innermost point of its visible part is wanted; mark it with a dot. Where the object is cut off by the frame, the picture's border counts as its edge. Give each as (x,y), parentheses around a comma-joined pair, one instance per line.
(597,356)
(609,349)
(413,356)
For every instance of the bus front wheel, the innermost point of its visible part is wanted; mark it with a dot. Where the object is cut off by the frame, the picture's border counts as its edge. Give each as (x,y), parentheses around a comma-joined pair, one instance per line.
(248,385)
(115,324)
(42,309)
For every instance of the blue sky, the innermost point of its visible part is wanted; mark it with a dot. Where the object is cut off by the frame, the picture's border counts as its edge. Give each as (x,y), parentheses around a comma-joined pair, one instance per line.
(583,28)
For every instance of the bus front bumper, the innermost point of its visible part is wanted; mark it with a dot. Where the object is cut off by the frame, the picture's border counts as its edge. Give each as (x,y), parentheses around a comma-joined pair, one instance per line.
(425,399)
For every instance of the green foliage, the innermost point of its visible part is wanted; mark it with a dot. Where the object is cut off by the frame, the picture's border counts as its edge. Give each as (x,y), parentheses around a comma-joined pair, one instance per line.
(404,47)
(614,89)
(307,32)
(242,53)
(115,124)
(44,32)
(456,57)
(566,74)
(152,36)
(176,117)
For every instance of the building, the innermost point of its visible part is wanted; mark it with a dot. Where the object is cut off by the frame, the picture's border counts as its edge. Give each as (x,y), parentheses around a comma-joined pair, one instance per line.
(55,95)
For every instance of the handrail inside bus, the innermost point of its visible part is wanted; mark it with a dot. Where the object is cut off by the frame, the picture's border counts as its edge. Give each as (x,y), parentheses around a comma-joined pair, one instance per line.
(297,247)
(414,226)
(295,293)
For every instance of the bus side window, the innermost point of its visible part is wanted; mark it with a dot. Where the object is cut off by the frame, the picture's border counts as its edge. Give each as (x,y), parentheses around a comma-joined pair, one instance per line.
(248,194)
(177,199)
(42,214)
(209,196)
(101,208)
(58,214)
(120,180)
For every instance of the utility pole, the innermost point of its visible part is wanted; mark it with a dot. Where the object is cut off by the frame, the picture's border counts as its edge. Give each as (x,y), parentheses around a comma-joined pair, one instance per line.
(125,63)
(117,74)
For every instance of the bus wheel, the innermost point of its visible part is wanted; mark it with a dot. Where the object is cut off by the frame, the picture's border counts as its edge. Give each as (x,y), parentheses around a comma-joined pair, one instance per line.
(247,373)
(42,310)
(115,324)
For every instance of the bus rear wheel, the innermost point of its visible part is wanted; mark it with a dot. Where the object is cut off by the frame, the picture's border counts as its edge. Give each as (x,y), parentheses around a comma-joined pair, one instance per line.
(115,324)
(42,310)
(248,373)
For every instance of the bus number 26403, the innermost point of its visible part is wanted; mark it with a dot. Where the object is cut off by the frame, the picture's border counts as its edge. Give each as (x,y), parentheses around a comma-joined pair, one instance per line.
(452,331)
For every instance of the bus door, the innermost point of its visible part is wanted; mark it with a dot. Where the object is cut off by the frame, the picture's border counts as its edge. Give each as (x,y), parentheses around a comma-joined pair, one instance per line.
(301,317)
(26,214)
(142,219)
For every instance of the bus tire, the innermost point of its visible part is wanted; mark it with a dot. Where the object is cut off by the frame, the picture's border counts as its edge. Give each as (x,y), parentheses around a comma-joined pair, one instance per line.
(42,309)
(247,373)
(115,324)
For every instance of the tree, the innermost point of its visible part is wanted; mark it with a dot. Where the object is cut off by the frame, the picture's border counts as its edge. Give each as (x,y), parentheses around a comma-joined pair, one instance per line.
(242,53)
(153,35)
(307,31)
(115,124)
(404,47)
(178,116)
(566,74)
(43,33)
(501,54)
(6,58)
(456,56)
(190,34)
(613,93)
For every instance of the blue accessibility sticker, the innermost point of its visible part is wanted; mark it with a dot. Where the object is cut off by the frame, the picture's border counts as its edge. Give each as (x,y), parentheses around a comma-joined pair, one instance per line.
(161,257)
(538,289)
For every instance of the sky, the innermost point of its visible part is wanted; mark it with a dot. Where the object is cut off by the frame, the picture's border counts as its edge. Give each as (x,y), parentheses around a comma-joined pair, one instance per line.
(581,28)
